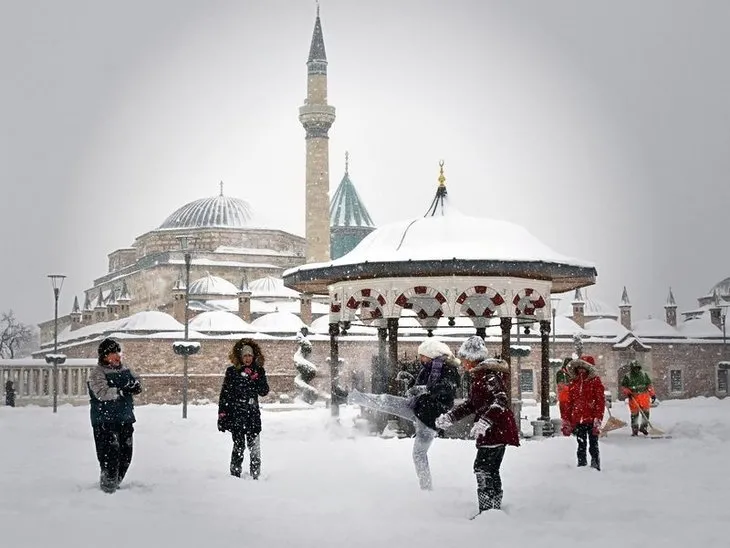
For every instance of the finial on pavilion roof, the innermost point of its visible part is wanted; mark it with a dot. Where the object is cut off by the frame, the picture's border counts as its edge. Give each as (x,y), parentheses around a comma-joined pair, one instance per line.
(221,183)
(442,177)
(347,163)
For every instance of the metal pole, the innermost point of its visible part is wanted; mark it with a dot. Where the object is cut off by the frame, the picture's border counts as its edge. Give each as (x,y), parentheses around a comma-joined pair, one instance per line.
(334,331)
(185,356)
(552,348)
(56,292)
(545,371)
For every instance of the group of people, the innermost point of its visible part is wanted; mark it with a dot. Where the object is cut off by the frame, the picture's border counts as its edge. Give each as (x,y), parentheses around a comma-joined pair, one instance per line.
(428,403)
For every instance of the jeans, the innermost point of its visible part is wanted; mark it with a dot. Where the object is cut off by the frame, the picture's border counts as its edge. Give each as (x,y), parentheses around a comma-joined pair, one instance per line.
(582,431)
(489,482)
(241,438)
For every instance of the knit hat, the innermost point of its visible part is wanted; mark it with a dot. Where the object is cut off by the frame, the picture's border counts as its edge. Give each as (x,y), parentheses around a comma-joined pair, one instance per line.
(590,359)
(473,349)
(433,348)
(108,346)
(246,350)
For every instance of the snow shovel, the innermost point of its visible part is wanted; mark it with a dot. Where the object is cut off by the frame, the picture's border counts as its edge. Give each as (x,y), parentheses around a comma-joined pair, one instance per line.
(611,424)
(653,432)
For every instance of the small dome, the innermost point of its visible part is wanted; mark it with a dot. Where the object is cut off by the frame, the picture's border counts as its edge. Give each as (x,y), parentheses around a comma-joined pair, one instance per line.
(149,320)
(654,327)
(219,321)
(592,308)
(215,212)
(213,285)
(278,322)
(722,288)
(605,327)
(271,287)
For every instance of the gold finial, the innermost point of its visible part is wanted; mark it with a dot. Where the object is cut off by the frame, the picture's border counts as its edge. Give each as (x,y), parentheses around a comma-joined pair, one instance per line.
(317,8)
(442,178)
(347,162)
(221,188)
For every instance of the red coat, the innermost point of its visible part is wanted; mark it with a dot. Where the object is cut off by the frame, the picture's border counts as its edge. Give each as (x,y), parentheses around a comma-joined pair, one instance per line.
(586,398)
(488,399)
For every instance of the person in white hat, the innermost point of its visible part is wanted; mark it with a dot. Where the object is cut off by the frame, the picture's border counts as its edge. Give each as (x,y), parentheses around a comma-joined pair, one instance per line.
(431,393)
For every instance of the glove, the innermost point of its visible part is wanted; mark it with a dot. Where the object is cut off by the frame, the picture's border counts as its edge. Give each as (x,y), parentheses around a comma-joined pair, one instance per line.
(132,387)
(653,398)
(417,390)
(222,422)
(596,427)
(480,428)
(566,429)
(443,422)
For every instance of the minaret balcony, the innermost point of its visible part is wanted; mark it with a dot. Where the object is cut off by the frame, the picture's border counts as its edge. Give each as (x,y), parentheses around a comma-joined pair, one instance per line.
(317,114)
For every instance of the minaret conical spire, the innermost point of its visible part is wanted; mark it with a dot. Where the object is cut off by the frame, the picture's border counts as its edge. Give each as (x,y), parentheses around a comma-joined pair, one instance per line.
(317,60)
(670,299)
(625,298)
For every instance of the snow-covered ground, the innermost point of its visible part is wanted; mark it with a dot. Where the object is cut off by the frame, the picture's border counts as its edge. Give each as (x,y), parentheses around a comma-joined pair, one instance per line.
(327,485)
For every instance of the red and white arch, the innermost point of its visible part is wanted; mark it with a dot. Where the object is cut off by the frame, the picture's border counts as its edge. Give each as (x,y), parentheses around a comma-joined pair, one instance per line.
(528,302)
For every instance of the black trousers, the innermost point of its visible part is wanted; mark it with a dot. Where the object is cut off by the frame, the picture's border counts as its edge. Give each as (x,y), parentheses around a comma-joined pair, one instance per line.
(489,482)
(114,450)
(583,431)
(241,438)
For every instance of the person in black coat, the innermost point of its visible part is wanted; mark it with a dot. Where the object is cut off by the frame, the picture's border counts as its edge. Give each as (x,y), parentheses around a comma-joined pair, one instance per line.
(111,387)
(238,404)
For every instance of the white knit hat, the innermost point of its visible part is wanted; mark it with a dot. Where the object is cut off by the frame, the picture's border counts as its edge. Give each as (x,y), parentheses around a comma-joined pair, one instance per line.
(433,348)
(473,349)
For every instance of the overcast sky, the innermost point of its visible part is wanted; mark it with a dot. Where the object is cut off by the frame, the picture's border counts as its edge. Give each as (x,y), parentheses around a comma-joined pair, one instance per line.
(602,127)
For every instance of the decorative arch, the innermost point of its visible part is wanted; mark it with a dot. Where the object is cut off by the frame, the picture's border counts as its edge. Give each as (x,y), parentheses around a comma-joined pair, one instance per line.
(370,302)
(480,301)
(426,302)
(529,303)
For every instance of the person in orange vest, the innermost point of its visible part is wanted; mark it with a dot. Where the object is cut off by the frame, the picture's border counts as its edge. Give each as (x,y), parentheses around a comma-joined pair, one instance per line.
(562,379)
(636,386)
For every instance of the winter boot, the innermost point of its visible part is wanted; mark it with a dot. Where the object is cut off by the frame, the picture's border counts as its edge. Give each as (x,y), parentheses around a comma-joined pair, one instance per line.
(107,483)
(596,463)
(634,431)
(644,430)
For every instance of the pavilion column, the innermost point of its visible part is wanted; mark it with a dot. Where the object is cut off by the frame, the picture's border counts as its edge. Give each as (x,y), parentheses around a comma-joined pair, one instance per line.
(481,332)
(506,325)
(545,370)
(334,331)
(379,384)
(392,355)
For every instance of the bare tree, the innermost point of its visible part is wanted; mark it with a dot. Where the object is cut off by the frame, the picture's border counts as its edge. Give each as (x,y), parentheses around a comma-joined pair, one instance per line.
(14,335)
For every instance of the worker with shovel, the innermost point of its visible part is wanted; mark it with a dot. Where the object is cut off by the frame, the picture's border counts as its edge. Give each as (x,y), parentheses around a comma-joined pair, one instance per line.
(636,386)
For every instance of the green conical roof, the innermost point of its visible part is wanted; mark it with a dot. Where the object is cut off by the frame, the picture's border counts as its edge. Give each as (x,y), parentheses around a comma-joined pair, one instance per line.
(346,207)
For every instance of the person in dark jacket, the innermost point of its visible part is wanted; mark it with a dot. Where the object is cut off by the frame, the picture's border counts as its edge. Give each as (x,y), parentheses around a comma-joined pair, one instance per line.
(112,386)
(494,423)
(585,407)
(9,393)
(431,394)
(238,405)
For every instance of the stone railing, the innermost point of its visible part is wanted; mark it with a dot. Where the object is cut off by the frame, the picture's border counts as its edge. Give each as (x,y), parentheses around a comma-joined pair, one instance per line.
(33,381)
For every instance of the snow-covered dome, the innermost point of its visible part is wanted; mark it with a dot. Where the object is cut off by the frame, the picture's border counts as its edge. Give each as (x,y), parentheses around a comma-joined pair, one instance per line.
(271,287)
(722,288)
(605,327)
(215,212)
(700,328)
(149,320)
(654,327)
(453,236)
(212,285)
(278,322)
(219,321)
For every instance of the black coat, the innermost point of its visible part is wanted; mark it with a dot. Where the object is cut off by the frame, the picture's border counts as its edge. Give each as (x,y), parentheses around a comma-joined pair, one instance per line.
(440,396)
(239,399)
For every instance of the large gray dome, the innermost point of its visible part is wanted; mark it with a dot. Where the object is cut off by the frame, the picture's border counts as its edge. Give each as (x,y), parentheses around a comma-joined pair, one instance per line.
(216,212)
(722,288)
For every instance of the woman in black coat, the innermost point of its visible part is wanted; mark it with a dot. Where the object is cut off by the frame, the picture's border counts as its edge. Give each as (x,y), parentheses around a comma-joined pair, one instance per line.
(238,405)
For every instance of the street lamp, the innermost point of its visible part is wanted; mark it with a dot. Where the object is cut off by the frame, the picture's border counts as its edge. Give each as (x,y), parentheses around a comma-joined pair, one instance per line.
(56,359)
(722,322)
(186,348)
(553,309)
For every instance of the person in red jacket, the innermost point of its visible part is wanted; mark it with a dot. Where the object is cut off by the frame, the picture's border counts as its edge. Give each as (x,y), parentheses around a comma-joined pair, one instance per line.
(494,424)
(585,406)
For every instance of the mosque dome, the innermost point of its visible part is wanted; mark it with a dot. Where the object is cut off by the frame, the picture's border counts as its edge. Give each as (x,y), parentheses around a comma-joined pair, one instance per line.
(214,212)
(722,288)
(212,285)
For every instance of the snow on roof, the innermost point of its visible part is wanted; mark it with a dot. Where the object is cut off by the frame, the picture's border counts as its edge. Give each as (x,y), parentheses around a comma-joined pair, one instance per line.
(213,285)
(592,308)
(605,327)
(220,321)
(654,327)
(149,320)
(452,236)
(700,328)
(321,327)
(294,307)
(269,286)
(250,251)
(278,322)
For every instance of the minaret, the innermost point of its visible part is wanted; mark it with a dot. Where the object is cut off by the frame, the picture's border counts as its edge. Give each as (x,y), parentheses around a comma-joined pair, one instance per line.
(317,117)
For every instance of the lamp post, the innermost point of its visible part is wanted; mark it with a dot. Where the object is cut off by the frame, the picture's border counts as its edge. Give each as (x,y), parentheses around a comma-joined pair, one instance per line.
(722,322)
(186,348)
(56,359)
(553,309)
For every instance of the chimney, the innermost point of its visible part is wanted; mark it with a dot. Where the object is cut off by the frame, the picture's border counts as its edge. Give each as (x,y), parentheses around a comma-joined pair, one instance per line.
(625,308)
(100,308)
(305,308)
(579,309)
(124,300)
(244,301)
(76,315)
(716,310)
(670,309)
(178,301)
(87,314)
